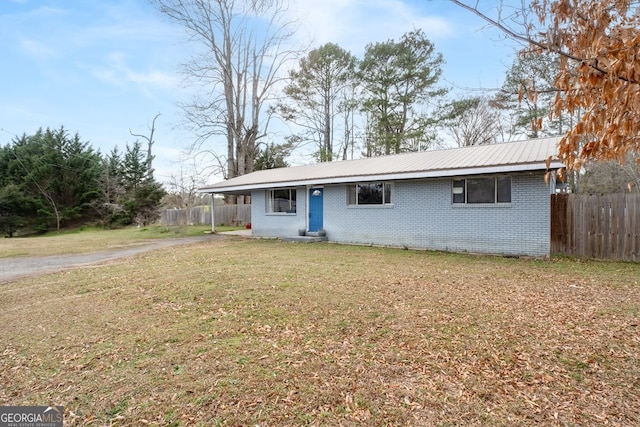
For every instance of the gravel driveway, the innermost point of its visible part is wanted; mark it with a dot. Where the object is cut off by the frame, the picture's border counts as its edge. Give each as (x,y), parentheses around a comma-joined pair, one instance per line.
(12,269)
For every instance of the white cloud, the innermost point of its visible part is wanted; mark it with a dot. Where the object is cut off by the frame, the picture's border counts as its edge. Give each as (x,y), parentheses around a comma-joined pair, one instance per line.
(115,71)
(156,78)
(35,48)
(353,24)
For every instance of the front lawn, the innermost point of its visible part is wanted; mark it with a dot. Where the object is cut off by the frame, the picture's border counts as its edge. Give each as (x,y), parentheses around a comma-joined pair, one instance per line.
(259,332)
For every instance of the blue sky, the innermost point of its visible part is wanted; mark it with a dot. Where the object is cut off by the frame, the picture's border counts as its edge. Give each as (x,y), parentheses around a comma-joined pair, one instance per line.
(105,68)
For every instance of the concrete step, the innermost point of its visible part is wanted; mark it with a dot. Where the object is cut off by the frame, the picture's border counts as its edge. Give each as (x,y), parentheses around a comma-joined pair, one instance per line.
(305,239)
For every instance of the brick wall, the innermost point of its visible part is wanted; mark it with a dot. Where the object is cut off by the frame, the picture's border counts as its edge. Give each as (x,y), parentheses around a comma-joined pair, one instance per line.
(277,224)
(422,216)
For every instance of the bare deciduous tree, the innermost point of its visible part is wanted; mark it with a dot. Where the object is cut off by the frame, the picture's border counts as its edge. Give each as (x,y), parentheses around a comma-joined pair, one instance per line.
(611,177)
(242,49)
(471,121)
(183,186)
(150,142)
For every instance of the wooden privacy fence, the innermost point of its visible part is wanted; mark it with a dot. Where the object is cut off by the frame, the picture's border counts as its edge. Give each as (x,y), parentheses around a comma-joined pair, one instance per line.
(606,227)
(201,215)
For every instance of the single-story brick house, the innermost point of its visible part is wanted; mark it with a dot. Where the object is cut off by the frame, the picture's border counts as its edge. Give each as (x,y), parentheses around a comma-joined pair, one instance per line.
(482,199)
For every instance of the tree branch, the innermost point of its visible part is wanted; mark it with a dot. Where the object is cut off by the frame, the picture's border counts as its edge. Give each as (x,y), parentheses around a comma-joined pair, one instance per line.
(544,46)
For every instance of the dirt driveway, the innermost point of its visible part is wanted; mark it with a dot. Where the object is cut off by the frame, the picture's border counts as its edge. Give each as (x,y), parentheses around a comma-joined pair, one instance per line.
(12,269)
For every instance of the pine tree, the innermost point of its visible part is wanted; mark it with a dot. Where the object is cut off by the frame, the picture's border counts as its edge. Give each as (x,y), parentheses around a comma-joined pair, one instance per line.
(143,193)
(396,78)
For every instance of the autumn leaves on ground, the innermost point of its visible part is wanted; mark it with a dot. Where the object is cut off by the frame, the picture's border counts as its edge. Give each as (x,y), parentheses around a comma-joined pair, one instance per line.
(259,332)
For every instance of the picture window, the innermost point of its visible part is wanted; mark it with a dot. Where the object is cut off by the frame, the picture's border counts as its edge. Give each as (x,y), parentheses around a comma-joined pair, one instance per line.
(481,190)
(376,193)
(281,201)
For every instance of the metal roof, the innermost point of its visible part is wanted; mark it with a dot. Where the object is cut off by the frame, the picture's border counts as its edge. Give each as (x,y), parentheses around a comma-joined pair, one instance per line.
(495,158)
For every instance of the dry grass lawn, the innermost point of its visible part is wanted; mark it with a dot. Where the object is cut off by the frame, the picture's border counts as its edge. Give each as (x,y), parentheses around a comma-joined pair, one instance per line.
(263,333)
(82,241)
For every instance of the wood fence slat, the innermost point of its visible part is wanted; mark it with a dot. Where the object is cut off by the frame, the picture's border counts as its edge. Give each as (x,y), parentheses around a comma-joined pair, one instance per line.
(571,224)
(606,229)
(634,229)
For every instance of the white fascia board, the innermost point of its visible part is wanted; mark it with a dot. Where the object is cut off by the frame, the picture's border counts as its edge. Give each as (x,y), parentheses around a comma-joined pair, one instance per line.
(385,177)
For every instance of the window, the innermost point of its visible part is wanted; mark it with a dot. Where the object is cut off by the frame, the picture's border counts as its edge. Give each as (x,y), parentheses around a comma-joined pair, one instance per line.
(283,200)
(377,193)
(503,193)
(481,190)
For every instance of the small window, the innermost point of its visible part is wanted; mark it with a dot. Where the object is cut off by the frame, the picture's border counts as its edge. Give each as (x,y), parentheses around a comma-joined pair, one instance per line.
(458,191)
(481,190)
(377,193)
(282,200)
(504,189)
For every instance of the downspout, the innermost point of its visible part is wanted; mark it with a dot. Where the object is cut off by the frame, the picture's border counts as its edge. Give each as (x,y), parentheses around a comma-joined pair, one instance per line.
(552,184)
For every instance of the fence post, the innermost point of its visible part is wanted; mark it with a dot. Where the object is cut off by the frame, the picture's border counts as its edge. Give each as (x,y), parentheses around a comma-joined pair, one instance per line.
(213,215)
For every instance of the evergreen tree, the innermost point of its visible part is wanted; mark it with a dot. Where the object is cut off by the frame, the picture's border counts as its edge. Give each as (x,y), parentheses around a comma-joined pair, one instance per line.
(145,203)
(16,209)
(109,203)
(318,92)
(58,172)
(396,78)
(143,193)
(528,92)
(135,168)
(52,179)
(272,156)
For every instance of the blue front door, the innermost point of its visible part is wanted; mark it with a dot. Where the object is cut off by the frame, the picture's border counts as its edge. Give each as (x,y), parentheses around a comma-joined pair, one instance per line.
(315,209)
